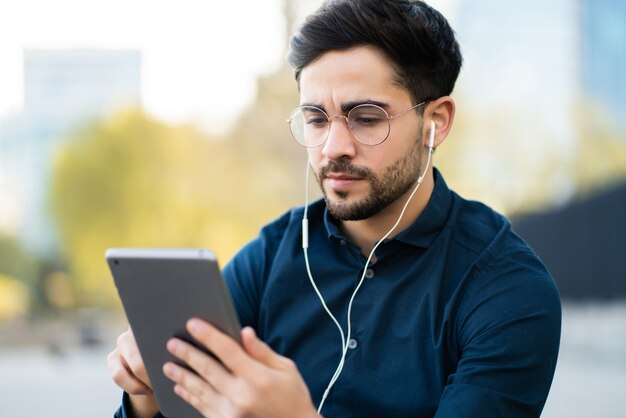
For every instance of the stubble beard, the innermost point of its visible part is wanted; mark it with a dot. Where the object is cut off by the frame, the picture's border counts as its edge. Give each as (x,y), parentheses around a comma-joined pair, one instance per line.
(396,180)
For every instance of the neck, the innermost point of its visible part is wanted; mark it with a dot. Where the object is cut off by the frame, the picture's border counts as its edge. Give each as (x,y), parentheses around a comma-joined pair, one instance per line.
(367,232)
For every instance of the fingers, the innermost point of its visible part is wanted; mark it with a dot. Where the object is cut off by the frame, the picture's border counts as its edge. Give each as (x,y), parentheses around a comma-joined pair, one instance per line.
(123,377)
(126,366)
(132,361)
(251,380)
(206,366)
(221,345)
(193,389)
(260,351)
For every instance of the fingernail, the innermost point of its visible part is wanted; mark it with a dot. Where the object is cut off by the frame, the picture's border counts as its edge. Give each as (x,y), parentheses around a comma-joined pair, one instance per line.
(178,389)
(249,330)
(169,370)
(173,346)
(195,324)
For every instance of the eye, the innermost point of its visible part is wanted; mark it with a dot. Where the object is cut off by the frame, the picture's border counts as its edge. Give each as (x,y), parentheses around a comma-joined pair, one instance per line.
(314,117)
(364,119)
(317,120)
(366,116)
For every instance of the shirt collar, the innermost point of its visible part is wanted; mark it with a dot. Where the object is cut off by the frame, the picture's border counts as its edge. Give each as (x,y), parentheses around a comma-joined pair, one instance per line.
(432,219)
(425,228)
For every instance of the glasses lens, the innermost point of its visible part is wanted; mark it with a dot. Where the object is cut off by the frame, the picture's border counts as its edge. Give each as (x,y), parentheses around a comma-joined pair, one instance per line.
(369,124)
(309,126)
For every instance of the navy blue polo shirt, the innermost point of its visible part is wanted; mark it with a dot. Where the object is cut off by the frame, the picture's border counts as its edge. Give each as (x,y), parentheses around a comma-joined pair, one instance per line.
(456,318)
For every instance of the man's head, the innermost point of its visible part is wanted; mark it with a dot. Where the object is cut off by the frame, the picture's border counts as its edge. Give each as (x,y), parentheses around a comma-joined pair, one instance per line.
(395,54)
(416,39)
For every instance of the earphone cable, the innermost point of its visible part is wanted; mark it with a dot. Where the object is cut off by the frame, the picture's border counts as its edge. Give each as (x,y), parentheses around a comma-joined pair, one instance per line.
(345,338)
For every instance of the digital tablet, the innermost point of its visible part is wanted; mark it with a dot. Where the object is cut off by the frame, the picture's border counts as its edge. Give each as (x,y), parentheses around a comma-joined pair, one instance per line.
(160,290)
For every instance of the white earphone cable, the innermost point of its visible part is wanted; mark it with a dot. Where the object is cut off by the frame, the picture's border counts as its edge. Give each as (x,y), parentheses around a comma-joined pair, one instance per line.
(345,338)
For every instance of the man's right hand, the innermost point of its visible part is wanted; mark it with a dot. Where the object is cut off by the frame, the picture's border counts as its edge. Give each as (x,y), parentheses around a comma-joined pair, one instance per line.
(129,373)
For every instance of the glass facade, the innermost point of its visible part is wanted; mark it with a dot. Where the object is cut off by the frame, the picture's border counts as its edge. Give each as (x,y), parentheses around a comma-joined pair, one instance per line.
(604,57)
(62,88)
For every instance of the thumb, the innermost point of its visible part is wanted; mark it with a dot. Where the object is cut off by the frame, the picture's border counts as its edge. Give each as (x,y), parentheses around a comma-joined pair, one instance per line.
(259,350)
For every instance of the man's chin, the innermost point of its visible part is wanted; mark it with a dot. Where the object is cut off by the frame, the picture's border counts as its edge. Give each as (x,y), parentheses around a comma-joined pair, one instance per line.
(345,210)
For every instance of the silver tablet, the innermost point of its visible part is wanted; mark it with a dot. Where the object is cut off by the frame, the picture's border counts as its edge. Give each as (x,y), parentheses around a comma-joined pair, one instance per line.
(160,290)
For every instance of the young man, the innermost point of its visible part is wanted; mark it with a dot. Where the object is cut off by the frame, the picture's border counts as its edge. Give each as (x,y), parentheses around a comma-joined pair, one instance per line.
(406,300)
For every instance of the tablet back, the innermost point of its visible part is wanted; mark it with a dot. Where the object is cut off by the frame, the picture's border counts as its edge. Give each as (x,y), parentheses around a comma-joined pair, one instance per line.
(160,290)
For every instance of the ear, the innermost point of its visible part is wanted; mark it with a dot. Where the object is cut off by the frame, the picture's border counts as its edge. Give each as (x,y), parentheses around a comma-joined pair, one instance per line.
(441,111)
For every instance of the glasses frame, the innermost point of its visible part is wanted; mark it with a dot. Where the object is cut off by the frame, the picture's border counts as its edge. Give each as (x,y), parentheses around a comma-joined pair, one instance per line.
(347,119)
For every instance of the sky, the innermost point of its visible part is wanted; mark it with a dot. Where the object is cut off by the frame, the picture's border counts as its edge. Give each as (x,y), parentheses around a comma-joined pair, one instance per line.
(523,63)
(200,58)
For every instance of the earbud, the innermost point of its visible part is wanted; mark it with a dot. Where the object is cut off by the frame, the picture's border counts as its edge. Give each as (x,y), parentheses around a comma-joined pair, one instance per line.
(431,142)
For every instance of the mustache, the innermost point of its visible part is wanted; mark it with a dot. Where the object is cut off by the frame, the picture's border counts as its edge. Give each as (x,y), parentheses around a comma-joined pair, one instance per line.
(345,166)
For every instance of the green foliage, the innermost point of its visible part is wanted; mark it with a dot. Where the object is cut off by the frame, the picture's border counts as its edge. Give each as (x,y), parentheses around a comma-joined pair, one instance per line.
(26,273)
(600,157)
(15,261)
(133,181)
(130,181)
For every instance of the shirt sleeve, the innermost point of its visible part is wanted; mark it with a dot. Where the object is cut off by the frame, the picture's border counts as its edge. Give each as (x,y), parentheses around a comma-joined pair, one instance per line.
(246,273)
(508,333)
(123,410)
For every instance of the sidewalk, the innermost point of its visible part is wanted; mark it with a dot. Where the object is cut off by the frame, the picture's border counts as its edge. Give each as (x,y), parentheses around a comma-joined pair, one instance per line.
(73,383)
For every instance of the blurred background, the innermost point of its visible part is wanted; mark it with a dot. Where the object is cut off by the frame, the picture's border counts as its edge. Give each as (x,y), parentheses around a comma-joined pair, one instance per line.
(143,124)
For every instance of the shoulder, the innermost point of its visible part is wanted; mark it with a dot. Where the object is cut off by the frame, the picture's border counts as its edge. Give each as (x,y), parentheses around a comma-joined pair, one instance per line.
(289,224)
(247,272)
(506,274)
(259,253)
(485,233)
(508,283)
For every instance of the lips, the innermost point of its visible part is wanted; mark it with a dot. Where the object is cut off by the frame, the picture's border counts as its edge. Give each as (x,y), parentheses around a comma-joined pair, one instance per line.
(342,177)
(341,180)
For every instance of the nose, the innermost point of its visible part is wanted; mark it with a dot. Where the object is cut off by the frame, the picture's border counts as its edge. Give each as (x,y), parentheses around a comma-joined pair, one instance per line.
(340,142)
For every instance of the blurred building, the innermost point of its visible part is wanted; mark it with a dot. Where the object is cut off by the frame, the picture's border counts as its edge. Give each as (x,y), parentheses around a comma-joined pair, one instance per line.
(538,76)
(62,89)
(545,56)
(552,63)
(522,56)
(583,244)
(604,62)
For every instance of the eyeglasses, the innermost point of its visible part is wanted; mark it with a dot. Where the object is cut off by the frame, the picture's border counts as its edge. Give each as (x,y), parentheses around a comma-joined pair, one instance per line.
(370,124)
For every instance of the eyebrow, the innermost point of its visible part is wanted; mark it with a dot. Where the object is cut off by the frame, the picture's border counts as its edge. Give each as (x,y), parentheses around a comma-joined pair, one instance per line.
(346,107)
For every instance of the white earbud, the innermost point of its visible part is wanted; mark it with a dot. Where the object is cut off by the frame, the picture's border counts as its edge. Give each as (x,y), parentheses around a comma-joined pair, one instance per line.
(431,142)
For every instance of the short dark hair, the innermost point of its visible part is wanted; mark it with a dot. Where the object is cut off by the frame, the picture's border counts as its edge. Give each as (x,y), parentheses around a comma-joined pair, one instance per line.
(416,38)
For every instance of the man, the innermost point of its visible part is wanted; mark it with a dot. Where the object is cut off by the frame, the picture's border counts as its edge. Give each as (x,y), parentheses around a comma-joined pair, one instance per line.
(406,300)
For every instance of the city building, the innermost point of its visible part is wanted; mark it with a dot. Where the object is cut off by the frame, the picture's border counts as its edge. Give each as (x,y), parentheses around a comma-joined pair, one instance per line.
(62,89)
(604,57)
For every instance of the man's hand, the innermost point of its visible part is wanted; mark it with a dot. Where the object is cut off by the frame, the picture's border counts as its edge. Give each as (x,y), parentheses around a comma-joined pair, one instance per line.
(252,381)
(128,372)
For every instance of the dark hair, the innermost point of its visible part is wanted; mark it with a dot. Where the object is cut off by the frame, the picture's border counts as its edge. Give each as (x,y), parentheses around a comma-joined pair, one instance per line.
(416,38)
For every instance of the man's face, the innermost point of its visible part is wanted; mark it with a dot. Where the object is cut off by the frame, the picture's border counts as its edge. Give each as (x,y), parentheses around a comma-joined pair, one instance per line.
(359,181)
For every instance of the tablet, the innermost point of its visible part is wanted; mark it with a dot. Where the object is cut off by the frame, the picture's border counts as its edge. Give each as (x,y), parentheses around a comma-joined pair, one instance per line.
(160,290)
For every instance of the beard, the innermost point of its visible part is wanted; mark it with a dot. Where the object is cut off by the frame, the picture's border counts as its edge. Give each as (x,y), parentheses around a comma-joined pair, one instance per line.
(394,182)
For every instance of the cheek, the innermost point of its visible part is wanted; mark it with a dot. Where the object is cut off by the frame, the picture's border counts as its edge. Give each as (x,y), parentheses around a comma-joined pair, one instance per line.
(379,158)
(315,157)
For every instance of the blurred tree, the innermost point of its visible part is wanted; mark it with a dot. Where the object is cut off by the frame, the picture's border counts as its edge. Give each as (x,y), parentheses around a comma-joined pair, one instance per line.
(19,272)
(262,126)
(133,181)
(600,159)
(262,129)
(510,159)
(15,261)
(14,299)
